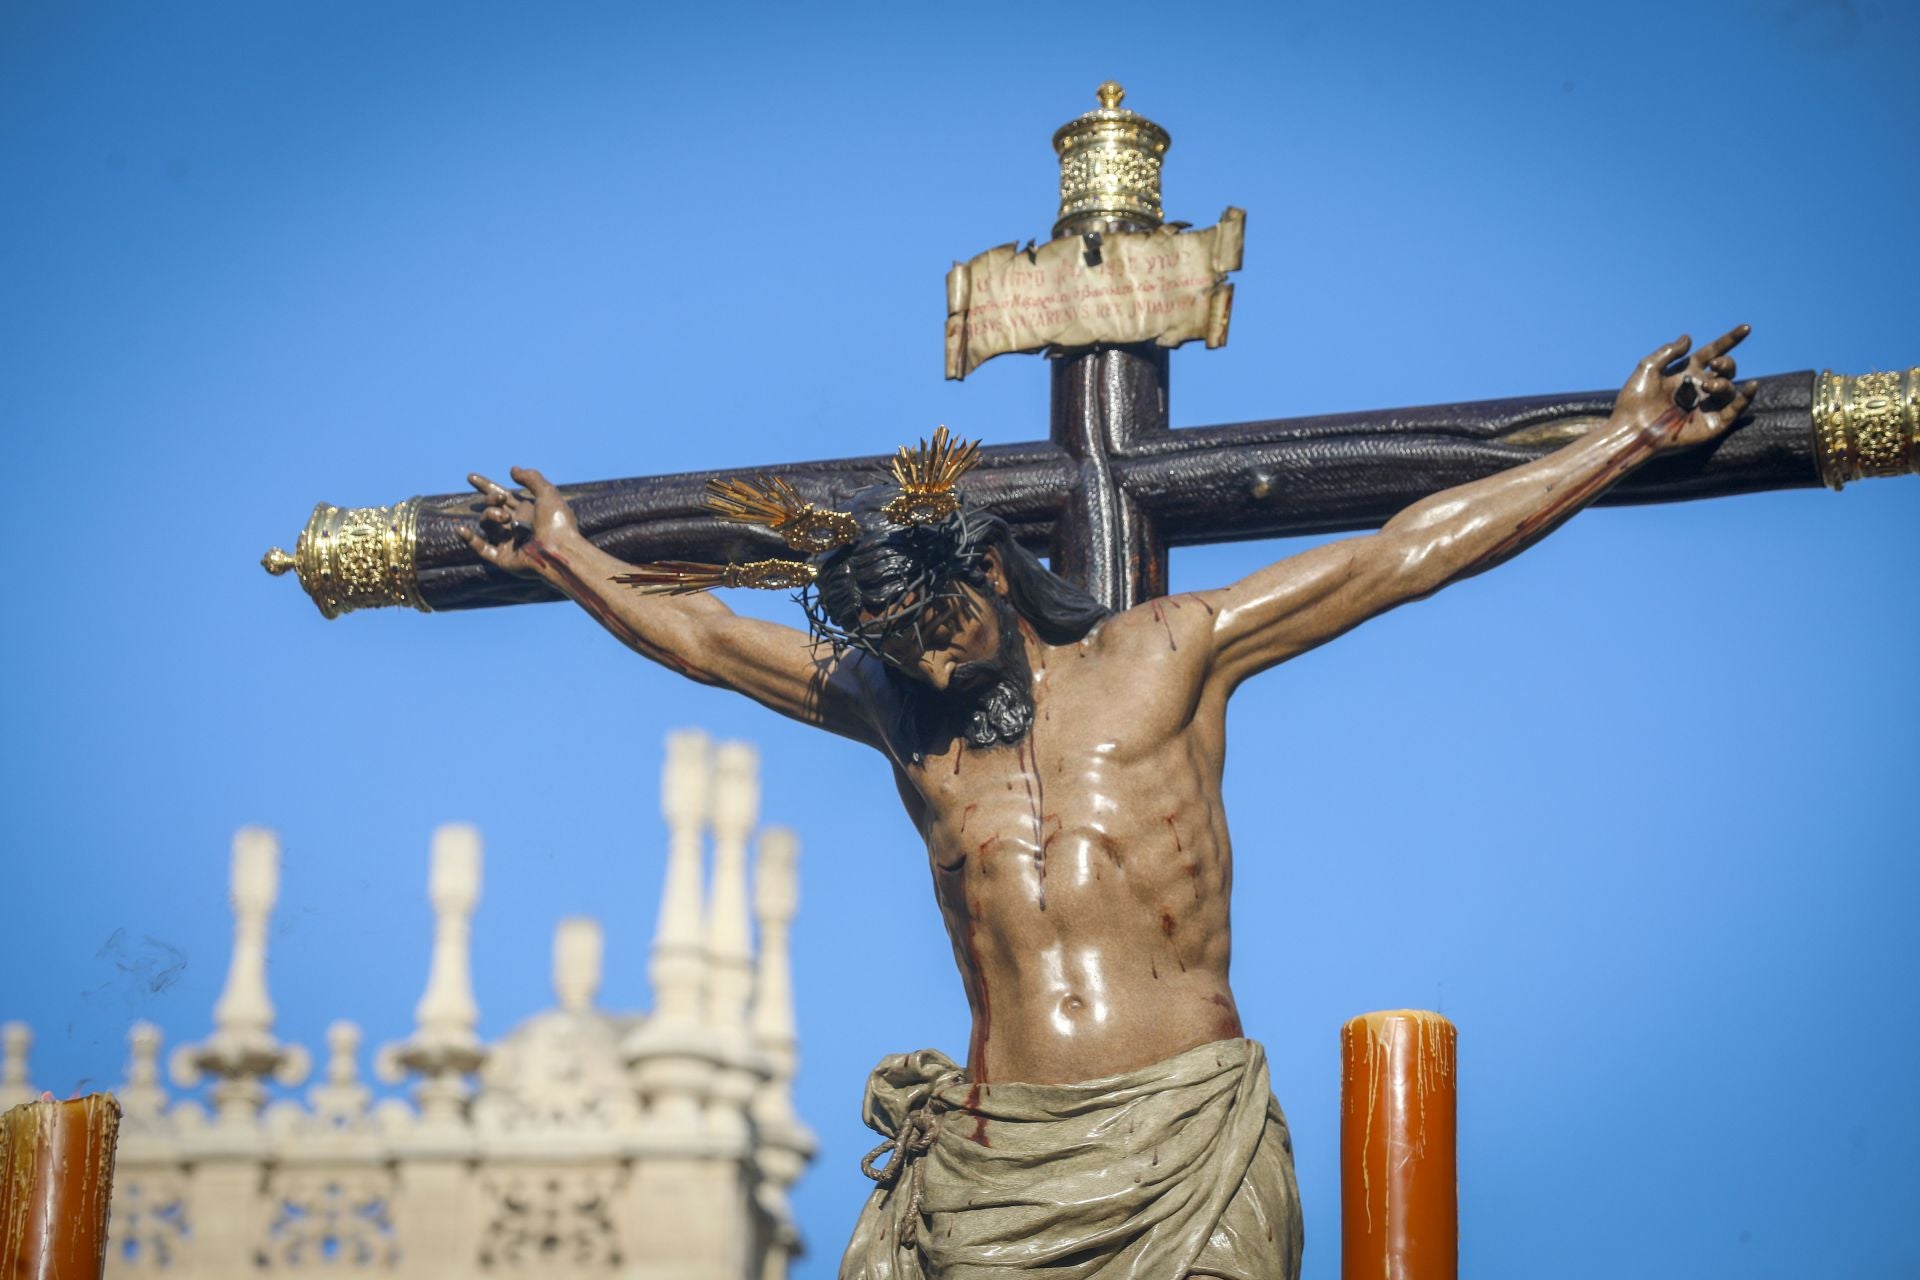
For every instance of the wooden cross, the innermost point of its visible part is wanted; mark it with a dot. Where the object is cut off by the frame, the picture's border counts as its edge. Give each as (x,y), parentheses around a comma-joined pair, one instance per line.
(1106,496)
(1114,486)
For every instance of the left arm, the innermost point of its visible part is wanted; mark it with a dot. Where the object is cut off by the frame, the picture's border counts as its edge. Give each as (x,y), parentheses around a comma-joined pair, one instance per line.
(1289,607)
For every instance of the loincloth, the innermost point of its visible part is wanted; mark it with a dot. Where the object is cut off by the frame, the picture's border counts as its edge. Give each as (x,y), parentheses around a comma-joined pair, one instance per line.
(1181,1168)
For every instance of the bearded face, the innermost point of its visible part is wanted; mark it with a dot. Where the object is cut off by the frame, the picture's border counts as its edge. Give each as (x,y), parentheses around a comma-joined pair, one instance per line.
(999,691)
(969,662)
(948,608)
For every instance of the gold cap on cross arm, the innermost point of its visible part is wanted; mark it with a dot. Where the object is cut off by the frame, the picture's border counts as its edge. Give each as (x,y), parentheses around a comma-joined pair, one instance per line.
(352,558)
(1866,425)
(1110,162)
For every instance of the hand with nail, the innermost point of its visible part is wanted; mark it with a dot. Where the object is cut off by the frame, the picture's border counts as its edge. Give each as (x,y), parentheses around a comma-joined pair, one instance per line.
(516,525)
(1698,384)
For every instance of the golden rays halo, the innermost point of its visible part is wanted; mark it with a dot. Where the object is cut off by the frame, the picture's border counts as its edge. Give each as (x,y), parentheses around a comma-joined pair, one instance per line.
(682,577)
(771,501)
(927,476)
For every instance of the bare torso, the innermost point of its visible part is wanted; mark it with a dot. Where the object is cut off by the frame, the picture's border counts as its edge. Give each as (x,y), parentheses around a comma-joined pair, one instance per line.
(1083,873)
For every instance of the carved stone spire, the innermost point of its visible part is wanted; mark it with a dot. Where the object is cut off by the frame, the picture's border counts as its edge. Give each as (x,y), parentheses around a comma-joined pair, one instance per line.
(16,1038)
(143,1101)
(785,1144)
(447,1011)
(244,1007)
(341,1100)
(679,964)
(577,950)
(672,1053)
(736,807)
(242,1052)
(776,898)
(444,1049)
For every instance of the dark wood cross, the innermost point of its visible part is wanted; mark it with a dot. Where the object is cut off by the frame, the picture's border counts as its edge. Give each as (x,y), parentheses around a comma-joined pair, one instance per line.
(1114,486)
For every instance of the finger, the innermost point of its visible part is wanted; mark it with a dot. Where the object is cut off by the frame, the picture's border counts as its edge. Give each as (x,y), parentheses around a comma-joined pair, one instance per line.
(481,547)
(498,515)
(1722,365)
(1715,390)
(1739,396)
(535,482)
(1679,363)
(1664,356)
(1725,342)
(484,485)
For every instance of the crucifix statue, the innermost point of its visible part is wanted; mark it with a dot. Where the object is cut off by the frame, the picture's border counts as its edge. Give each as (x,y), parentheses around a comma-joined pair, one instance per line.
(1057,734)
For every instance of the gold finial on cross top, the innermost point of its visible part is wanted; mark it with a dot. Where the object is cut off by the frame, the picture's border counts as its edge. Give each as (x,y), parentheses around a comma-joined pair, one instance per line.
(1109,168)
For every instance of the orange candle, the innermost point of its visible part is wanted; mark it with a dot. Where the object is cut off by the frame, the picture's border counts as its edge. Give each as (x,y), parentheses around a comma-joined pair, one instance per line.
(1399,1190)
(56,1177)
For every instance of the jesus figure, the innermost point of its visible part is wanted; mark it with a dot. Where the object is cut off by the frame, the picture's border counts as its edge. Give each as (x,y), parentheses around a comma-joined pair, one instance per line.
(1063,764)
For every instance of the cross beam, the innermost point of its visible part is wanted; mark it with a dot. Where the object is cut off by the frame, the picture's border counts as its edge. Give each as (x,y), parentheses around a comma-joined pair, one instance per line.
(1113,487)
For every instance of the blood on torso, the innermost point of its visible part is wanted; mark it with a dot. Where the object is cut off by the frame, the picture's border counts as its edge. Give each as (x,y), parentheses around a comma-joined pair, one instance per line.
(1084,873)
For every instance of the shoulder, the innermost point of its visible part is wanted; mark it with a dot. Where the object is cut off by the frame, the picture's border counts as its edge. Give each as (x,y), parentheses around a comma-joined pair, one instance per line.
(1181,623)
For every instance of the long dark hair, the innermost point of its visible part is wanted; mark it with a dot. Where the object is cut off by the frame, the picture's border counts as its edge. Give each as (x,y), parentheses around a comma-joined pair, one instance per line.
(890,572)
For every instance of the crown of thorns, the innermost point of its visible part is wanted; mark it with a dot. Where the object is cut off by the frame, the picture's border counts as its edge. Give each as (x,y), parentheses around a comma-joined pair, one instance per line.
(927,506)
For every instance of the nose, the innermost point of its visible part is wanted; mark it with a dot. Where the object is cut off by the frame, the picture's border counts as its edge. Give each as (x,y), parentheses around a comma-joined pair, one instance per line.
(937,670)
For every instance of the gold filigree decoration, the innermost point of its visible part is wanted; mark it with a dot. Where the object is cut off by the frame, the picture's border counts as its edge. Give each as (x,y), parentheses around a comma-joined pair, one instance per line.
(684,577)
(1866,426)
(927,475)
(352,558)
(772,502)
(1110,161)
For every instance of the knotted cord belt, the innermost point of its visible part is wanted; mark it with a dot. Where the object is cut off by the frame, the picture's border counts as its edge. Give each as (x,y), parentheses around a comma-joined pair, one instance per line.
(908,1146)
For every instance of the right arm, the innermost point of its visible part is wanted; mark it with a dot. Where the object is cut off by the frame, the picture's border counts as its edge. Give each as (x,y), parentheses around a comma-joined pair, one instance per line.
(694,634)
(1307,599)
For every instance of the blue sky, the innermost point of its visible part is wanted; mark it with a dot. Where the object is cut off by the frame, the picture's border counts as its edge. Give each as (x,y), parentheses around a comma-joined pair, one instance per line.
(1636,810)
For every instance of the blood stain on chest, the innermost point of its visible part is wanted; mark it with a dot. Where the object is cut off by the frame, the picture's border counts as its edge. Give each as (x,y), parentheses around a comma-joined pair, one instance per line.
(1161,618)
(1167,926)
(1030,777)
(983,1012)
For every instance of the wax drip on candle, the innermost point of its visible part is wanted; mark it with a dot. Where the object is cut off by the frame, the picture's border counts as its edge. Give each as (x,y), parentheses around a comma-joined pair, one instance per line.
(1433,1035)
(53,1226)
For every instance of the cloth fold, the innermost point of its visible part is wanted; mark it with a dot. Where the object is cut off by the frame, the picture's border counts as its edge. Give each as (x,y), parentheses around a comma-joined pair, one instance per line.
(1180,1168)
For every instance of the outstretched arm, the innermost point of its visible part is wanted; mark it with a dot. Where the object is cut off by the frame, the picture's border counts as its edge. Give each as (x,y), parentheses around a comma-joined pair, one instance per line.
(533,533)
(1289,607)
